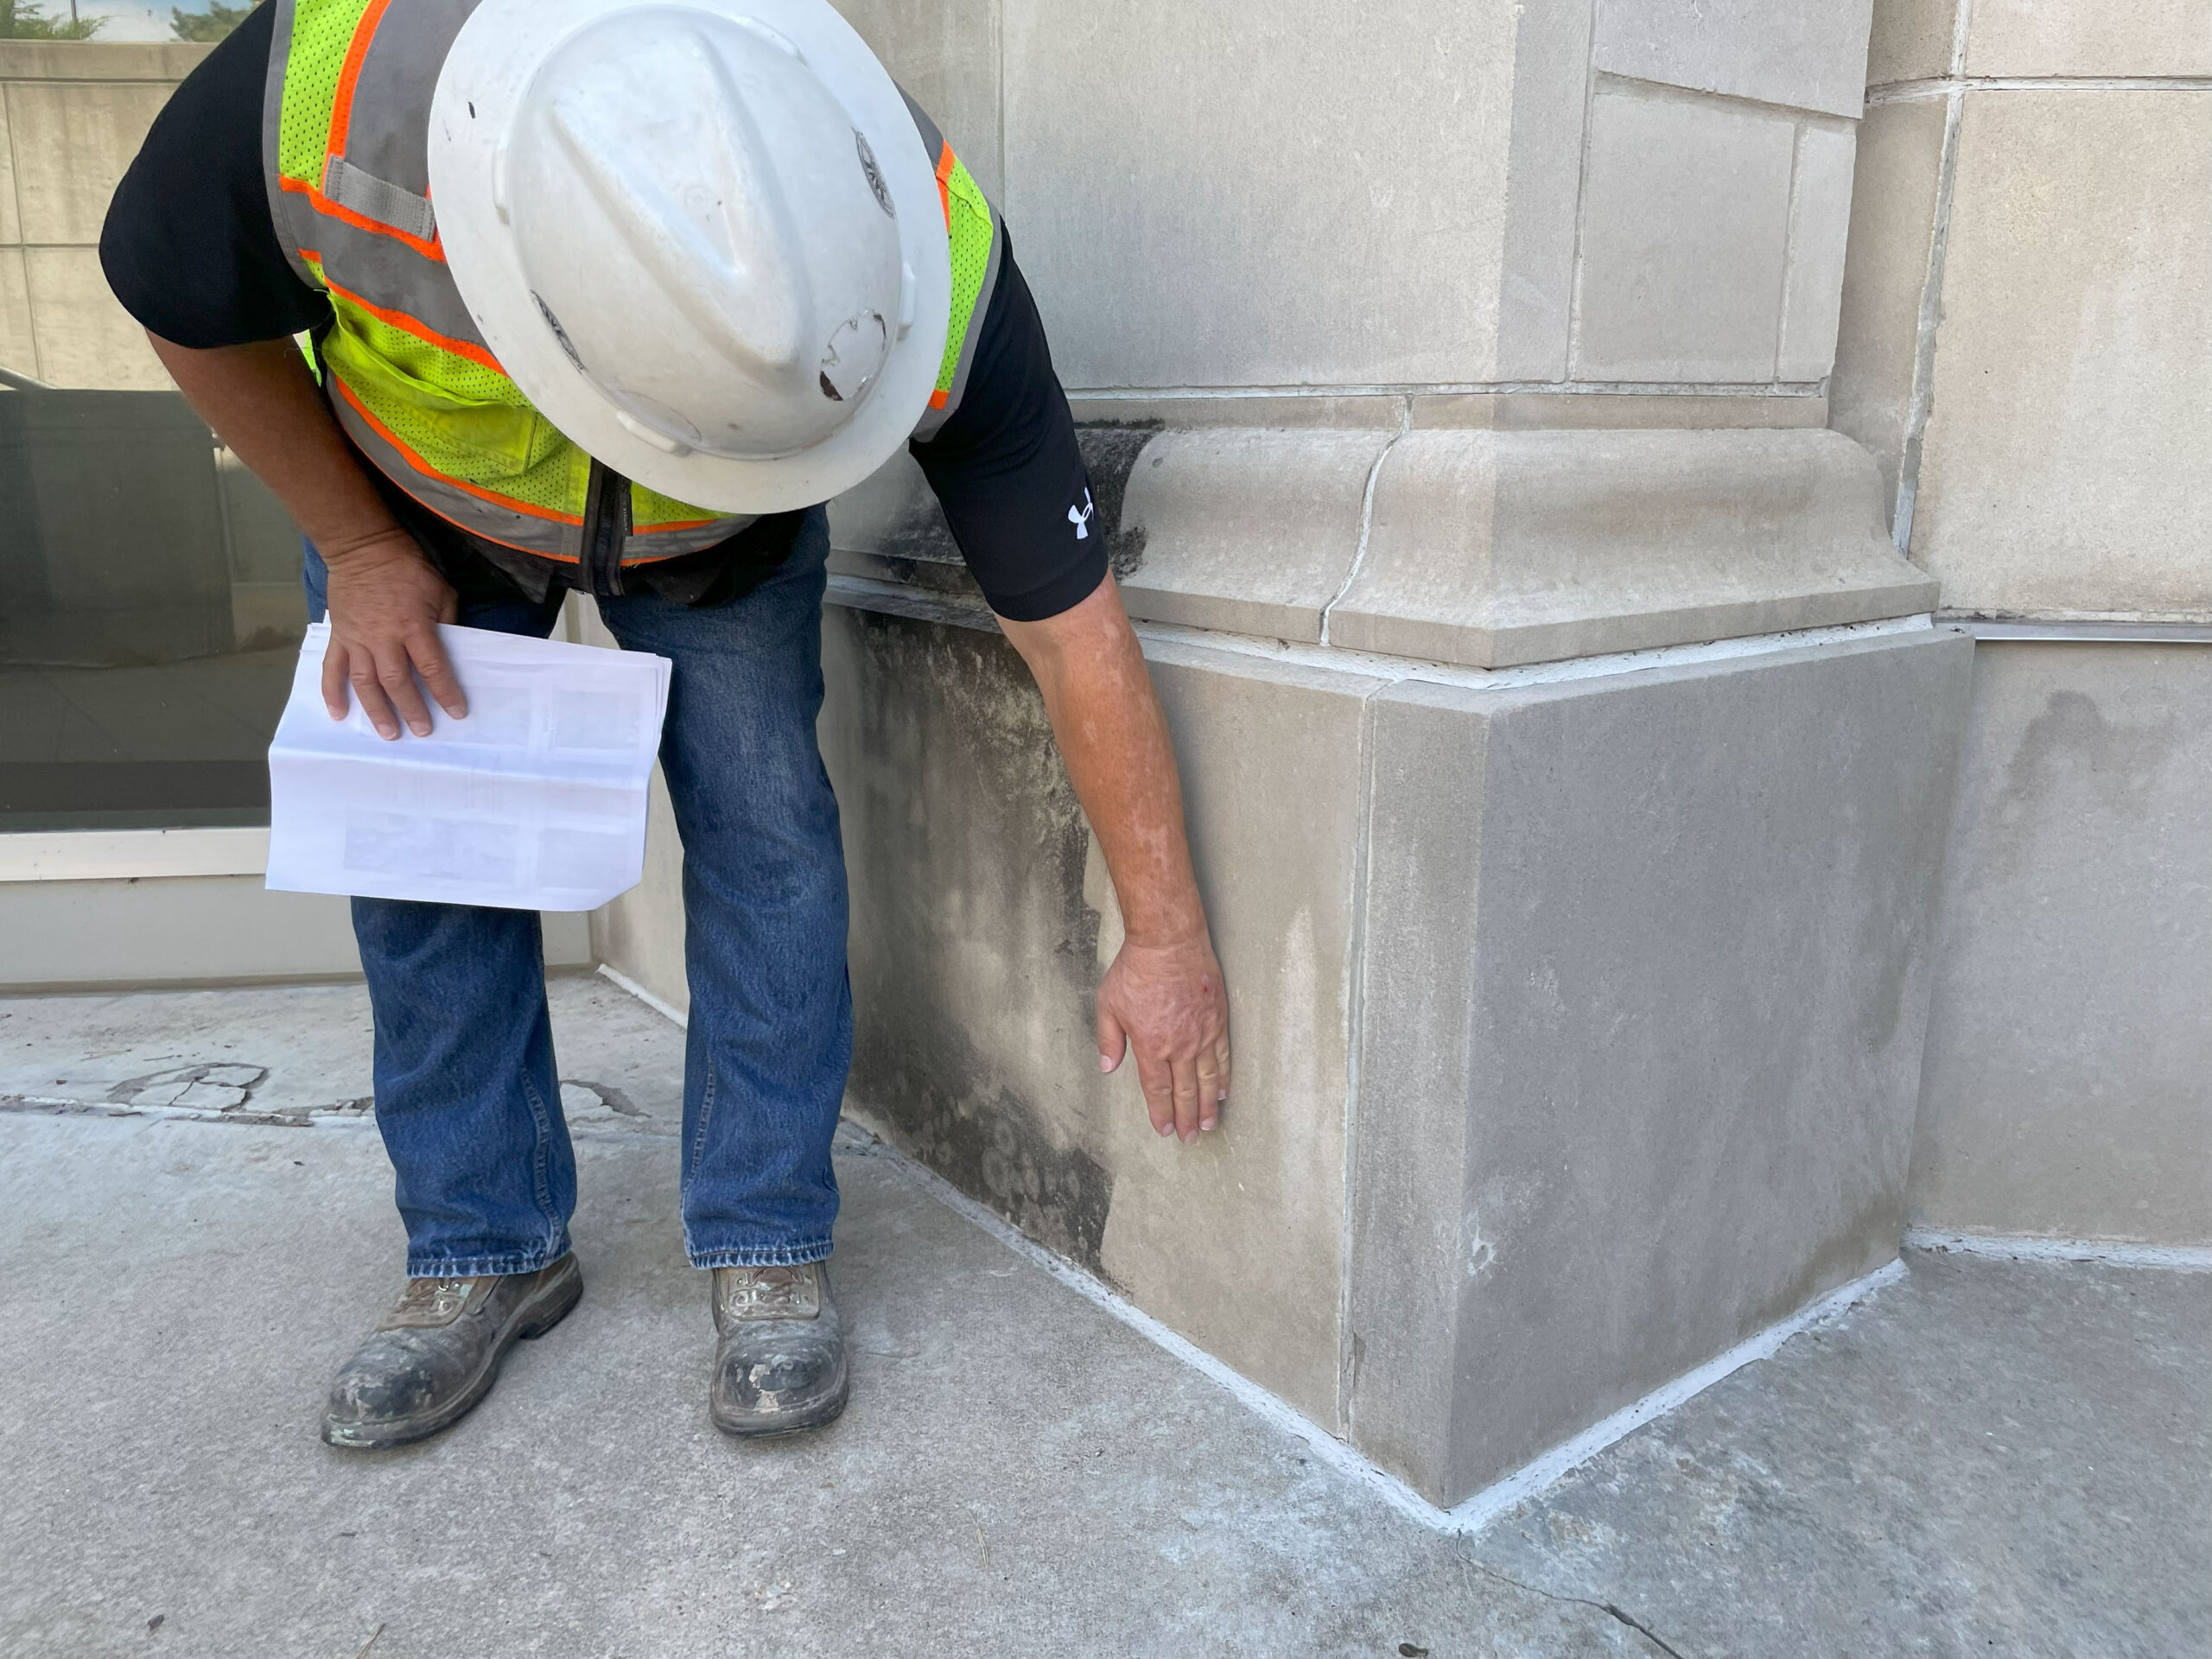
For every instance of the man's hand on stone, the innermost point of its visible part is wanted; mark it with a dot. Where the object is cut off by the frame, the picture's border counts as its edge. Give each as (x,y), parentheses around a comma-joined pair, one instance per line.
(386,601)
(1168,1002)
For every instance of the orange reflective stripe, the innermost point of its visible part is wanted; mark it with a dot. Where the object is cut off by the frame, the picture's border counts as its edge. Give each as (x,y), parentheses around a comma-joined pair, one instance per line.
(422,331)
(357,50)
(944,164)
(428,471)
(940,399)
(672,525)
(323,204)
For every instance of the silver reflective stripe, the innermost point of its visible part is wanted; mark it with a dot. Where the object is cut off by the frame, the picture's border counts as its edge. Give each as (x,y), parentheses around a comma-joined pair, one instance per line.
(933,420)
(932,140)
(374,199)
(272,122)
(389,272)
(548,537)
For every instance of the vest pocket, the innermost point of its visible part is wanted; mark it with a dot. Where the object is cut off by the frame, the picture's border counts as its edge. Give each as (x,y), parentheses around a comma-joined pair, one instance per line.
(476,439)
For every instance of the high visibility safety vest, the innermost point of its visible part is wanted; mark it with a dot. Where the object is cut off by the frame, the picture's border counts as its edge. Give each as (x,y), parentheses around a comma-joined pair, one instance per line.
(345,148)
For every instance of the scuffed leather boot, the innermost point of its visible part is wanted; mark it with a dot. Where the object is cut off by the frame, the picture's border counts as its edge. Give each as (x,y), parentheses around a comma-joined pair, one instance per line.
(437,1352)
(779,1366)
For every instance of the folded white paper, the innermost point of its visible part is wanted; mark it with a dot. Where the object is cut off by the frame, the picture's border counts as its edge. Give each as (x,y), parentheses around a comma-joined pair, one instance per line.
(537,800)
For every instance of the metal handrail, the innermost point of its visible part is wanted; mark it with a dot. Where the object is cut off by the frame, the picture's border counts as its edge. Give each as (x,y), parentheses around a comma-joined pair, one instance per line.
(21,382)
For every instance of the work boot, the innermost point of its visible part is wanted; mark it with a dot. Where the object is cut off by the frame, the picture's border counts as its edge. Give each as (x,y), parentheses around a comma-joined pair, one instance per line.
(437,1352)
(779,1365)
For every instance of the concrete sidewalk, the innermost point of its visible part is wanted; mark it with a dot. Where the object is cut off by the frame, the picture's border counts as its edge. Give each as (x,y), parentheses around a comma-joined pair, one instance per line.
(1988,1457)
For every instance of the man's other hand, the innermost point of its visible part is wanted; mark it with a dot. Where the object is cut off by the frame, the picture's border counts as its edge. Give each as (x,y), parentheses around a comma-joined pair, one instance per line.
(386,601)
(1168,1002)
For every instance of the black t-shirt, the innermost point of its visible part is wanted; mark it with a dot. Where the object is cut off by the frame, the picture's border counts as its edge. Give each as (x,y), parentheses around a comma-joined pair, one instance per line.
(190,249)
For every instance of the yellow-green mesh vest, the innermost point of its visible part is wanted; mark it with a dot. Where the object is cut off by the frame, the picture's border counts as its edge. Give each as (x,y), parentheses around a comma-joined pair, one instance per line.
(345,149)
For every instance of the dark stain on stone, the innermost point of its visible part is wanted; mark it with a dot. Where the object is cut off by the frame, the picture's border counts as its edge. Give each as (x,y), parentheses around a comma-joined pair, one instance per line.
(960,827)
(996,1148)
(1111,449)
(2072,742)
(917,531)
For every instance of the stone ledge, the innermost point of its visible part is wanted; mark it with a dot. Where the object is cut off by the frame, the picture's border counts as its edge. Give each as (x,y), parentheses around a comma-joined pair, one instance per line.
(1484,549)
(1496,549)
(100,60)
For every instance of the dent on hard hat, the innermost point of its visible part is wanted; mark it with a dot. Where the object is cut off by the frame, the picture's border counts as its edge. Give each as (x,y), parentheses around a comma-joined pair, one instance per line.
(705,233)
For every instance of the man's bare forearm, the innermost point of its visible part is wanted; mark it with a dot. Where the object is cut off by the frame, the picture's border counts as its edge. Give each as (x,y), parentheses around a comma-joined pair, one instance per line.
(385,600)
(264,404)
(1163,996)
(1115,742)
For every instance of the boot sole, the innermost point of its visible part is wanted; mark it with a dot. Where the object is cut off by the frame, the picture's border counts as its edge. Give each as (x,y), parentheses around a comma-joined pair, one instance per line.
(535,1317)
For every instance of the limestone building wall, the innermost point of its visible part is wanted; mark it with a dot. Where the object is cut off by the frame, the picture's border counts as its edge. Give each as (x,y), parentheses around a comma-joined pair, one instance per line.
(72,116)
(1567,749)
(2026,348)
(1428,215)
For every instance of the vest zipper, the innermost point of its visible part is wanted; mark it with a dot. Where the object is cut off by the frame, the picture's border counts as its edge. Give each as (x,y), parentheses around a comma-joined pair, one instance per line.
(606,525)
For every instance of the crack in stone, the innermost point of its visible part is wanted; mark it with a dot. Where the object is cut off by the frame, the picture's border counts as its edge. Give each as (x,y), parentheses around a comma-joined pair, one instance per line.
(1605,1607)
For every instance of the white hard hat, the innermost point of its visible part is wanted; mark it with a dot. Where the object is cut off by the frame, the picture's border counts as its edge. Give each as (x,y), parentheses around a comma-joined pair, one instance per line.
(703,239)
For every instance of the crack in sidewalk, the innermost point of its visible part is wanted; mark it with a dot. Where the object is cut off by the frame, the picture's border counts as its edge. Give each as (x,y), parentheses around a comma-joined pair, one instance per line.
(1607,1607)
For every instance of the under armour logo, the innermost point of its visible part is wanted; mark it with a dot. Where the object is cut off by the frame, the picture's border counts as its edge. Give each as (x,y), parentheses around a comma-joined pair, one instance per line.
(1079,517)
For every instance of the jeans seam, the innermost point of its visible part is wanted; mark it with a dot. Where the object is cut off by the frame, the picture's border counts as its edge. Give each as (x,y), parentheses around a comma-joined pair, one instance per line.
(482,1267)
(540,1157)
(766,1255)
(697,1148)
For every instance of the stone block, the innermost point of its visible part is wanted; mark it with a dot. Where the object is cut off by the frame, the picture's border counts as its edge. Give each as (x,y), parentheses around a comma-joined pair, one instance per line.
(2065,470)
(981,918)
(18,340)
(1580,411)
(1201,198)
(1910,40)
(1347,411)
(1808,54)
(1491,548)
(1685,236)
(85,336)
(946,55)
(2070,1039)
(12,224)
(178,929)
(99,61)
(893,516)
(1644,972)
(1819,220)
(1899,165)
(2114,37)
(72,141)
(1252,531)
(1544,187)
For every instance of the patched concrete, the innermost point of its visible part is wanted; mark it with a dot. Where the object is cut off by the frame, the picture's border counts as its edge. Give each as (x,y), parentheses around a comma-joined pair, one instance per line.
(1986,1454)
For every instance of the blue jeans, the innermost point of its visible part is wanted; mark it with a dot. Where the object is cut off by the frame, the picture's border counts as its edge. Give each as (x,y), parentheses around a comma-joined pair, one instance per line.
(466,1094)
